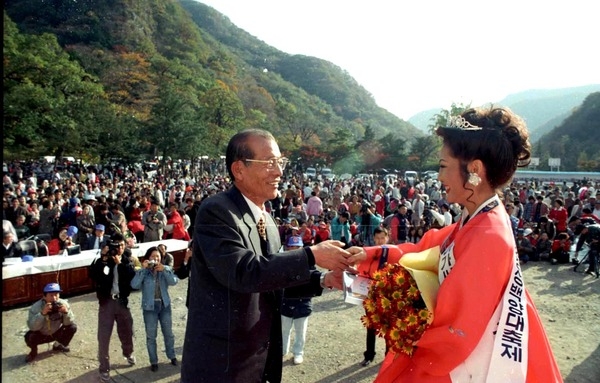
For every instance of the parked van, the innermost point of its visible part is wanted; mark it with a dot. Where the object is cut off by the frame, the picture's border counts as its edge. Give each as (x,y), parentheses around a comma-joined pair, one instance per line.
(411,176)
(326,173)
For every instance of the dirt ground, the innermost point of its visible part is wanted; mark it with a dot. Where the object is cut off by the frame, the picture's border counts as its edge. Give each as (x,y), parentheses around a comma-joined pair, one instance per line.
(568,303)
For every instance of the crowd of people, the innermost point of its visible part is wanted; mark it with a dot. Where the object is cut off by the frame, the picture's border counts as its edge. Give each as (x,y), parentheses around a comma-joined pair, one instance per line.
(320,222)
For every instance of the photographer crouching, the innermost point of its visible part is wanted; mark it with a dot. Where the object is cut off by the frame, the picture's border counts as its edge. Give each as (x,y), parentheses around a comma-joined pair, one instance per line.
(50,319)
(112,274)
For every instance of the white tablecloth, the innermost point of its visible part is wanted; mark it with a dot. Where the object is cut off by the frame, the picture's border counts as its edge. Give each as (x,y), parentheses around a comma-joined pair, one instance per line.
(15,268)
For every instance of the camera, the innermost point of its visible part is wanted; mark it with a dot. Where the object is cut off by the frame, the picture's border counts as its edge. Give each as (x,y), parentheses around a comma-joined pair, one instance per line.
(113,248)
(55,307)
(151,265)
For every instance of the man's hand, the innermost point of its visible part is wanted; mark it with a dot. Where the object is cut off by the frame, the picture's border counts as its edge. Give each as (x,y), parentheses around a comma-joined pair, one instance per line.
(117,259)
(63,309)
(330,255)
(334,279)
(47,308)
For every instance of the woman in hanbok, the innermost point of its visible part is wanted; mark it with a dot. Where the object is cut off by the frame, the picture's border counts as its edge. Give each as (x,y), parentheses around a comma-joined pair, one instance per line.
(485,327)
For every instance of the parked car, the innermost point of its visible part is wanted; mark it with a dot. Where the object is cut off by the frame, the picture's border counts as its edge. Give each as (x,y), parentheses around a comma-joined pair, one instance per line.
(310,174)
(327,173)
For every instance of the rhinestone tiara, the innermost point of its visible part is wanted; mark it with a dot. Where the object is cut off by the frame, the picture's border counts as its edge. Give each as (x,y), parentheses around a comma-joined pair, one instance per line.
(459,122)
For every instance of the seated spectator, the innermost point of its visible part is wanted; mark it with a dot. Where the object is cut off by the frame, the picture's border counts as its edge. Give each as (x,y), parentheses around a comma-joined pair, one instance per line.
(543,246)
(524,246)
(50,319)
(21,228)
(561,247)
(8,244)
(322,232)
(98,240)
(59,245)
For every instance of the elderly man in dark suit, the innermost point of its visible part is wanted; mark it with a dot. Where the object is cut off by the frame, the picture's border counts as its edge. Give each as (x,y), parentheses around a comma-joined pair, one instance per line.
(98,240)
(233,331)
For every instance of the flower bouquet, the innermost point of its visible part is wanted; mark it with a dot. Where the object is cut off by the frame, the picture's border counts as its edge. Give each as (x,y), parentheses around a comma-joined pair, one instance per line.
(400,302)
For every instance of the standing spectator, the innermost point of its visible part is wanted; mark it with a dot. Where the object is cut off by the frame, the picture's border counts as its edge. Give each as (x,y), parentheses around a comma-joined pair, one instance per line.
(14,211)
(379,200)
(314,205)
(165,257)
(400,225)
(514,221)
(367,223)
(86,225)
(50,319)
(294,313)
(528,211)
(381,239)
(559,216)
(184,269)
(154,222)
(340,228)
(112,274)
(418,207)
(540,209)
(174,228)
(191,211)
(154,279)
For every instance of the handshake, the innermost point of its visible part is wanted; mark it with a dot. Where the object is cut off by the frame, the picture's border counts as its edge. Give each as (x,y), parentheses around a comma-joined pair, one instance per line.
(330,255)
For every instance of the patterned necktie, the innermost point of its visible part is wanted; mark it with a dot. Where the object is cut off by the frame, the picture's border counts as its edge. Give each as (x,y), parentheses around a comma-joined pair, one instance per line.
(262,230)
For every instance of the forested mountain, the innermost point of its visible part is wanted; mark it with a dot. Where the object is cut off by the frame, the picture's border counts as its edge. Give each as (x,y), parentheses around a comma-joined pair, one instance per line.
(577,140)
(121,78)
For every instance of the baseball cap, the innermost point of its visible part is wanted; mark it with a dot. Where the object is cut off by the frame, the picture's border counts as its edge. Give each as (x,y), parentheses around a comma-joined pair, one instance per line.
(295,240)
(100,227)
(52,288)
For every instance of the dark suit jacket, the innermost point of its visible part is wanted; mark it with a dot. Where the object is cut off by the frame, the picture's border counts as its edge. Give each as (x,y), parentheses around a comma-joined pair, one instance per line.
(233,331)
(91,240)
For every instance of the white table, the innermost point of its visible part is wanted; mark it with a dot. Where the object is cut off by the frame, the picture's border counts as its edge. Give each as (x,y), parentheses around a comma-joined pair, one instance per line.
(22,282)
(15,267)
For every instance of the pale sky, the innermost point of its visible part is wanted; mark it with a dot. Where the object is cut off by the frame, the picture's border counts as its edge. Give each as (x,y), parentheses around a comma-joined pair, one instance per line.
(414,55)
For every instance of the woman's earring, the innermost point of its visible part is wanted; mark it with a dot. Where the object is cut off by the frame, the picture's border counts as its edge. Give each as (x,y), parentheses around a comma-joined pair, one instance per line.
(474,179)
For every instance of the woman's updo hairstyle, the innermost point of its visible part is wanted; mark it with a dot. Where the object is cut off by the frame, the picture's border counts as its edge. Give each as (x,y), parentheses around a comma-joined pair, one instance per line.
(495,136)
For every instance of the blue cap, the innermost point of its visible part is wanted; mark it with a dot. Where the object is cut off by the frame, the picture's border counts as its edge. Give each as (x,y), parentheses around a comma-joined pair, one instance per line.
(100,227)
(72,230)
(295,240)
(52,288)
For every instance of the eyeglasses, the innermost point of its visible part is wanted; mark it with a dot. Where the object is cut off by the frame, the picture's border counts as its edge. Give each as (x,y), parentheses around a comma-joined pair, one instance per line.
(271,163)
